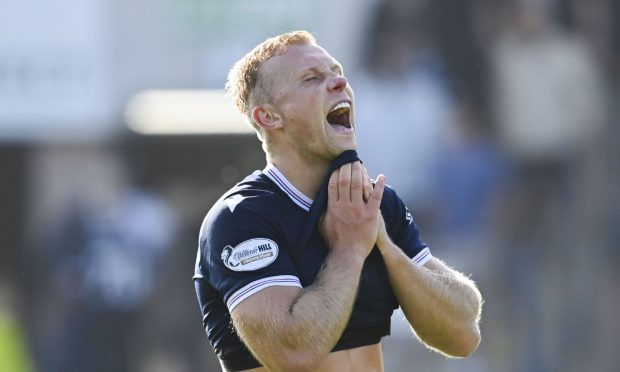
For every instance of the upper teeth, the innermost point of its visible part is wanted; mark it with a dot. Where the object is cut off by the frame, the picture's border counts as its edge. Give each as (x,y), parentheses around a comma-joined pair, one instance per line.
(343,104)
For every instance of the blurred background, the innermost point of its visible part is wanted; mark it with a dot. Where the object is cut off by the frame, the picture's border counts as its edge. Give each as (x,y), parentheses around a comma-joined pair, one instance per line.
(496,121)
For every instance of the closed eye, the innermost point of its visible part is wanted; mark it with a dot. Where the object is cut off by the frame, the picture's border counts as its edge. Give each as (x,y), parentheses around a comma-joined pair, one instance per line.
(311,78)
(338,70)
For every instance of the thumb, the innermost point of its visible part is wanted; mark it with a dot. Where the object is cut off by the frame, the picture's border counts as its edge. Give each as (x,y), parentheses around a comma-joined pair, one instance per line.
(377,192)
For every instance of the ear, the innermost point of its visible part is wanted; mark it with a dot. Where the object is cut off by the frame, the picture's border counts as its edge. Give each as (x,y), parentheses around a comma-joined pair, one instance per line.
(267,117)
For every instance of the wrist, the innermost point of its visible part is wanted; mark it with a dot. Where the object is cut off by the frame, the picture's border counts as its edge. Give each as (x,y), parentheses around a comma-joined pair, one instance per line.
(389,250)
(348,258)
(385,244)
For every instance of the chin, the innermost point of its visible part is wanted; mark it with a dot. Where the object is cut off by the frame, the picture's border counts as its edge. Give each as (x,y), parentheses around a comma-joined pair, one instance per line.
(351,144)
(337,150)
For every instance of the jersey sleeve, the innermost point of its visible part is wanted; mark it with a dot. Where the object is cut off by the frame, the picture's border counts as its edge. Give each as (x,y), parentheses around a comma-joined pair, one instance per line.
(242,251)
(402,229)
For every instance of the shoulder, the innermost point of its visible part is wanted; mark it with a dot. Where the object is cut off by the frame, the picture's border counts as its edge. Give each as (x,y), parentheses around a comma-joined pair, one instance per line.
(244,218)
(394,210)
(391,202)
(252,201)
(390,195)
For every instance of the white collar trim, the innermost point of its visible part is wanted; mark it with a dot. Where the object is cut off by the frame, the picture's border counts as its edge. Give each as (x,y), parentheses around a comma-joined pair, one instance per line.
(296,196)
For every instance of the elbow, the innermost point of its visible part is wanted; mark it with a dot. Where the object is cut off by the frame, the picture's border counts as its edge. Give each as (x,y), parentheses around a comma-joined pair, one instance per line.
(458,343)
(467,338)
(465,342)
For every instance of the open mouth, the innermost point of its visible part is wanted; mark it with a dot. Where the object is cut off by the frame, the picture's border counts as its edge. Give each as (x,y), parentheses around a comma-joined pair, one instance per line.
(340,114)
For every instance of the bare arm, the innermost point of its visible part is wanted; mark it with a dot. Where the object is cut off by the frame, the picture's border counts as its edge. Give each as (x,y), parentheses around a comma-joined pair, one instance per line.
(442,305)
(291,329)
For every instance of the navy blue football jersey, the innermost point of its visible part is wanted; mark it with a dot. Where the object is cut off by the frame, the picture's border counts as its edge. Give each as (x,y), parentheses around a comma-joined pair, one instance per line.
(247,243)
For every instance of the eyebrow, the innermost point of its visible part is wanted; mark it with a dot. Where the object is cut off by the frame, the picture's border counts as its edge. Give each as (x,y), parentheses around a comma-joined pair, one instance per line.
(333,67)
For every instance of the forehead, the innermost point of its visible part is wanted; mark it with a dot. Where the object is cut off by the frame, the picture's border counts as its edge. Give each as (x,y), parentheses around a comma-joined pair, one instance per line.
(300,57)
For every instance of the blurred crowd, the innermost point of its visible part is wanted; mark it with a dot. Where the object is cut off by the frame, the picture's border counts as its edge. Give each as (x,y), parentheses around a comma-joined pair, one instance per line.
(494,120)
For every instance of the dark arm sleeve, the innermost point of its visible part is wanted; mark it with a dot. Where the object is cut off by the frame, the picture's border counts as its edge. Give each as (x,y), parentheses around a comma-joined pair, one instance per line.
(402,229)
(242,251)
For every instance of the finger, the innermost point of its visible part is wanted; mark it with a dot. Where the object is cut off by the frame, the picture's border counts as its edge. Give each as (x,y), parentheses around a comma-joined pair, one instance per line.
(367,184)
(344,183)
(357,182)
(332,188)
(377,193)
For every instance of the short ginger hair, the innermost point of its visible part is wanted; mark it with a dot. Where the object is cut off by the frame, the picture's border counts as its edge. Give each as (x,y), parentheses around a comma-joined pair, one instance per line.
(245,84)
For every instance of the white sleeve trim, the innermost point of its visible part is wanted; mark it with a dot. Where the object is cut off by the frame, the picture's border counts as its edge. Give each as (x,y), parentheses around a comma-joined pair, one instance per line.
(257,285)
(422,257)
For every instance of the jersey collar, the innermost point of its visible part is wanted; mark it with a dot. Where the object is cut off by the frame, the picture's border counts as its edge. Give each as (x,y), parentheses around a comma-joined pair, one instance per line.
(296,196)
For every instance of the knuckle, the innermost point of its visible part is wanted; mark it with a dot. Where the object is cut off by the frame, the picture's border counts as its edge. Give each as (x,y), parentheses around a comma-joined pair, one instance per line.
(356,184)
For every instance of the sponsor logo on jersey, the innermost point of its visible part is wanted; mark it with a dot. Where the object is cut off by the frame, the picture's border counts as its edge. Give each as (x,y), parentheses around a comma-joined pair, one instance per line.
(250,255)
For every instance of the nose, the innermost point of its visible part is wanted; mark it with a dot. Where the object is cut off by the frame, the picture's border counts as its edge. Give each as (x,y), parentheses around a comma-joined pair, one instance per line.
(338,82)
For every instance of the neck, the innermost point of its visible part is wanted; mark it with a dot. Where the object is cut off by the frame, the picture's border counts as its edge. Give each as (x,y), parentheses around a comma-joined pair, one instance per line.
(305,174)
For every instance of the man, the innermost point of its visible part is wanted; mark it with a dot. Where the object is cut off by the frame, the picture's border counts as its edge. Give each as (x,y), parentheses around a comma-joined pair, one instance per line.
(271,301)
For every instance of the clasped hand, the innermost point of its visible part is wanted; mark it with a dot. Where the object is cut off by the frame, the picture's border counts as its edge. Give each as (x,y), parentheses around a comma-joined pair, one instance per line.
(351,222)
